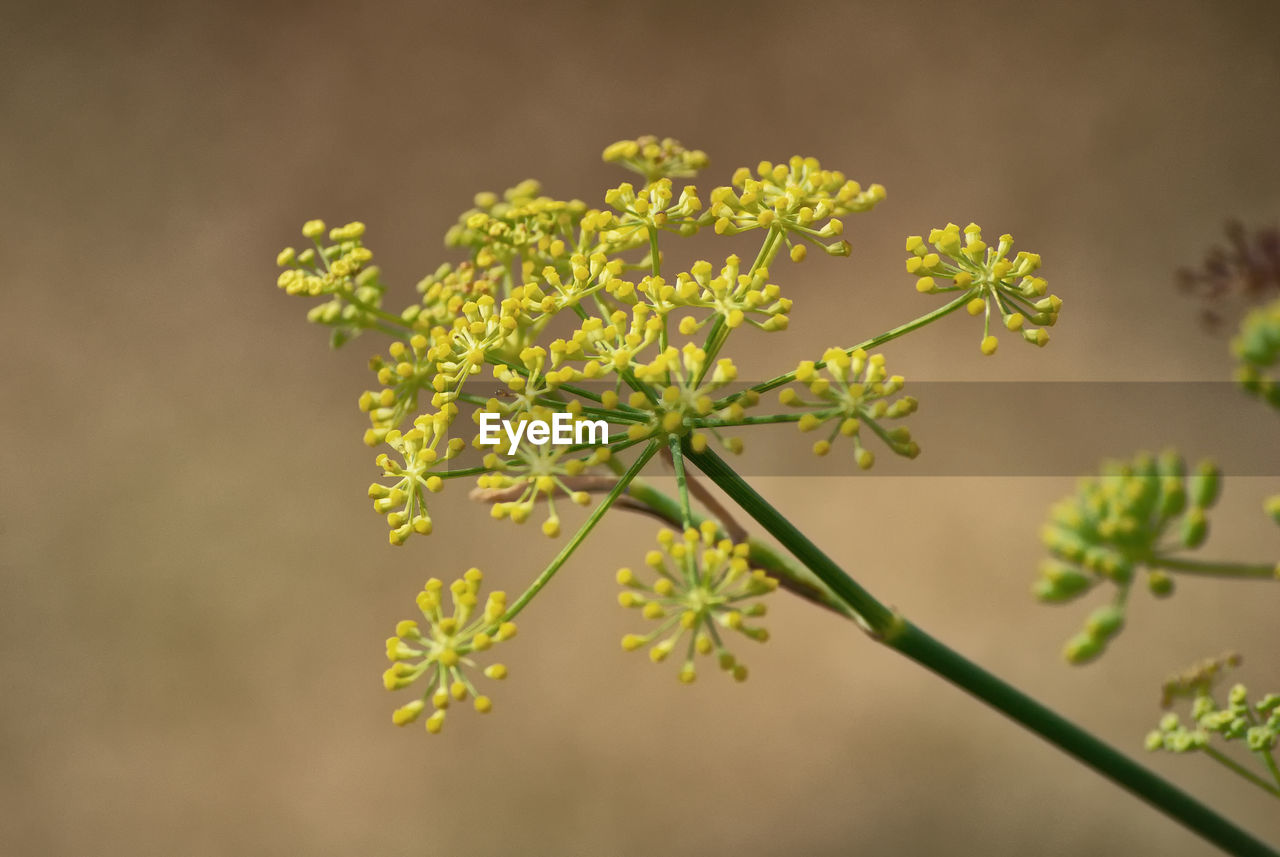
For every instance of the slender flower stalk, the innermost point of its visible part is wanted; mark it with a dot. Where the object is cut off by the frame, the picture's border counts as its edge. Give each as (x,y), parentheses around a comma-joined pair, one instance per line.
(896,632)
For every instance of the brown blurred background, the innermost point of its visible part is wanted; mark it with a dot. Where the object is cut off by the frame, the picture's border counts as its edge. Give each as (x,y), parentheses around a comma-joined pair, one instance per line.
(194,592)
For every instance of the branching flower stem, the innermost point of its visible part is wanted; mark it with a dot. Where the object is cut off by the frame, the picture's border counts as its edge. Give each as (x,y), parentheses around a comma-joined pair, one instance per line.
(873,342)
(1215,569)
(718,333)
(1240,770)
(893,630)
(572,545)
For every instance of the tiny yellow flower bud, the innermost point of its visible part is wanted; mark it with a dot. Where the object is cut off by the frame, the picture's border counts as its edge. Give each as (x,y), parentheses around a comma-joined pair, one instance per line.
(406,714)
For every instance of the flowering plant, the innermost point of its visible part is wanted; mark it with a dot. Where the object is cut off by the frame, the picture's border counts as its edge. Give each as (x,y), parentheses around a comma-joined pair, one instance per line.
(572,310)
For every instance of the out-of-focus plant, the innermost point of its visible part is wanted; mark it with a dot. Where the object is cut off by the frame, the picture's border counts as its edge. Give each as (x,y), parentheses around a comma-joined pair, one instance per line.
(644,350)
(1138,517)
(1244,272)
(1254,725)
(1257,348)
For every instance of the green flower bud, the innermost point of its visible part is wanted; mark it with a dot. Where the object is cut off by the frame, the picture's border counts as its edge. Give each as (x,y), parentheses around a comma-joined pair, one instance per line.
(1202,707)
(1160,584)
(1105,622)
(1173,498)
(1273,508)
(1260,739)
(1171,464)
(1082,648)
(1195,528)
(1205,485)
(1060,582)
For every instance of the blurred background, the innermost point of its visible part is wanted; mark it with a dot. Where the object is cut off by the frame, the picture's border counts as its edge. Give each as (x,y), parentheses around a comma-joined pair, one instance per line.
(194,591)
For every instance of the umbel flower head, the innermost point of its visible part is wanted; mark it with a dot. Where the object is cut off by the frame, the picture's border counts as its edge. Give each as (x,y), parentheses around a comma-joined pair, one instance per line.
(652,208)
(1135,515)
(992,282)
(852,390)
(569,309)
(1255,725)
(799,199)
(699,595)
(656,159)
(734,296)
(338,270)
(522,224)
(440,651)
(536,473)
(420,449)
(1257,347)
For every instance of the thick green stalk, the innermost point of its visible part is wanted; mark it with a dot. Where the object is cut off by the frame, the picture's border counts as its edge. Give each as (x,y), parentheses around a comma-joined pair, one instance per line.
(901,635)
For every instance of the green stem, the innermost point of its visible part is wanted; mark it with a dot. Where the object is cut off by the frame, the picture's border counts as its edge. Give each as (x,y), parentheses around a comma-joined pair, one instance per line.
(1240,770)
(1216,569)
(378,313)
(877,619)
(873,342)
(917,645)
(655,270)
(655,257)
(719,333)
(466,471)
(1270,762)
(567,551)
(682,485)
(747,421)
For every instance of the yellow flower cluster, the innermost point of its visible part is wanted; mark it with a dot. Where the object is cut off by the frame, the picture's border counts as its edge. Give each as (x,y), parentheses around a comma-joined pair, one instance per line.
(852,390)
(798,198)
(339,270)
(562,313)
(987,279)
(656,159)
(420,450)
(701,593)
(441,653)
